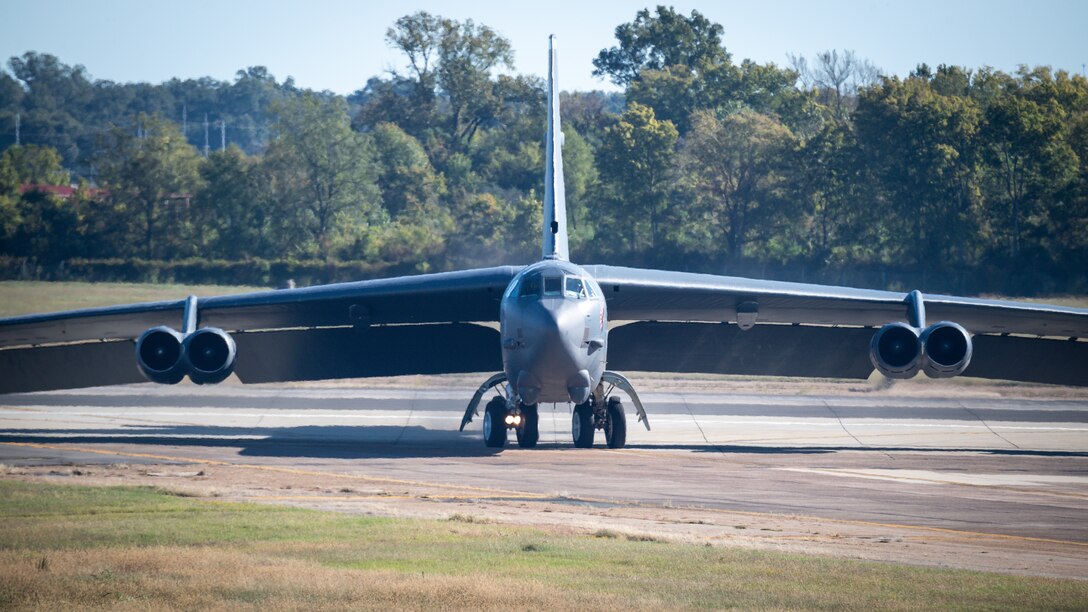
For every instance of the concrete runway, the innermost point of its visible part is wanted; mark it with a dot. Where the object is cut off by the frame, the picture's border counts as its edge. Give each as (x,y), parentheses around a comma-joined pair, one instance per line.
(942,481)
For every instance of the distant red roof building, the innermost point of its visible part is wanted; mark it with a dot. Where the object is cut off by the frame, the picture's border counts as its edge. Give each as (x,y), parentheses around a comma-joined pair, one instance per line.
(66,191)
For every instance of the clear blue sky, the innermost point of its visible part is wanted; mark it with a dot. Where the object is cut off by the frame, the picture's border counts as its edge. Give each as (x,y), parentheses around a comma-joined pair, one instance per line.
(338,44)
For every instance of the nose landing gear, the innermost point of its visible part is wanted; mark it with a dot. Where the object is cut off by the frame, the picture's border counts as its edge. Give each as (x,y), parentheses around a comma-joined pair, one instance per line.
(523,419)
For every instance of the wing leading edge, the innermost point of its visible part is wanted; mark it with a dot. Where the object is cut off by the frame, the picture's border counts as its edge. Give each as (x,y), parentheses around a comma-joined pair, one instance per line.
(797,329)
(405,325)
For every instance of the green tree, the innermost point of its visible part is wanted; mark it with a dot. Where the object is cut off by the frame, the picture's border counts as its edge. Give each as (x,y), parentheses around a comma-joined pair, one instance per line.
(656,42)
(923,148)
(1029,162)
(634,161)
(233,208)
(151,175)
(323,172)
(732,167)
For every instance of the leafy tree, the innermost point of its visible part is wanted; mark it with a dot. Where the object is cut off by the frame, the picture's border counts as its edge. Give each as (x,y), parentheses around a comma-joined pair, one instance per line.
(634,161)
(1029,162)
(151,176)
(323,171)
(656,42)
(732,166)
(233,209)
(923,147)
(36,164)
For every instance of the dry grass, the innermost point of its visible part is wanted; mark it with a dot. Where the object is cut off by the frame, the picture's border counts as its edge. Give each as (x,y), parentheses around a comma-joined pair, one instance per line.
(136,548)
(24,297)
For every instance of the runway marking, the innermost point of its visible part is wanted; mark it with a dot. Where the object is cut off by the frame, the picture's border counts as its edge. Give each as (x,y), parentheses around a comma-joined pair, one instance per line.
(540,496)
(379,496)
(912,476)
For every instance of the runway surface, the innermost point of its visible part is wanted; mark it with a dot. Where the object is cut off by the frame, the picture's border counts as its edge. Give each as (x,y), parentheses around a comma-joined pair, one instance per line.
(974,482)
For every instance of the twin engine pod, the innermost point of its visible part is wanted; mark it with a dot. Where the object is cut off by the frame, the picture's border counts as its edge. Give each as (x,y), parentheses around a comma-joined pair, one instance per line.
(942,350)
(165,356)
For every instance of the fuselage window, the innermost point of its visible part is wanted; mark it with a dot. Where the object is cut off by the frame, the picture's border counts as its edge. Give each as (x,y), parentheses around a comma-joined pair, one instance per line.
(575,287)
(553,285)
(530,286)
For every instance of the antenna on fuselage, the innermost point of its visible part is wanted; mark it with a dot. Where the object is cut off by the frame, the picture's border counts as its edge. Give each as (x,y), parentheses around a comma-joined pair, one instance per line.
(555,201)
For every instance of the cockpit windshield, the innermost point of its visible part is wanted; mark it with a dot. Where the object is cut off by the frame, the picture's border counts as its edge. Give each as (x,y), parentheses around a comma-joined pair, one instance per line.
(569,286)
(575,287)
(530,286)
(553,285)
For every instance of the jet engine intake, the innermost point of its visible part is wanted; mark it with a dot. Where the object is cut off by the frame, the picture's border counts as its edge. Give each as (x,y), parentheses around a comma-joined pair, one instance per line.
(210,353)
(159,353)
(946,350)
(896,351)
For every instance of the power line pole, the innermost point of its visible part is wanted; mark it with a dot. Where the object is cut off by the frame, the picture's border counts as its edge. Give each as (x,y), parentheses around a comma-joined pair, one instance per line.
(222,134)
(18,119)
(205,134)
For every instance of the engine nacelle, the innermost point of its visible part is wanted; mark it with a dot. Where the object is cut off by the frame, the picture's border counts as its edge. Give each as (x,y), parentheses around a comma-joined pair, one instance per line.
(209,353)
(159,355)
(946,350)
(896,351)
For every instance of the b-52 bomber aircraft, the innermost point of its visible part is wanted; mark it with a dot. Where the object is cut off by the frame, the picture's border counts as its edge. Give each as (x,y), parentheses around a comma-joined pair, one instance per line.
(554,341)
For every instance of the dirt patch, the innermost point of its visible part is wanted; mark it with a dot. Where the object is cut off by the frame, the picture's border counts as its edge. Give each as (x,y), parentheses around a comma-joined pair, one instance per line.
(561,513)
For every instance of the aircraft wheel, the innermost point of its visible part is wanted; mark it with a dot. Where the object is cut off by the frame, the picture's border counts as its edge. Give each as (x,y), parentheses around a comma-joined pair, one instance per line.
(529,432)
(581,425)
(495,423)
(615,430)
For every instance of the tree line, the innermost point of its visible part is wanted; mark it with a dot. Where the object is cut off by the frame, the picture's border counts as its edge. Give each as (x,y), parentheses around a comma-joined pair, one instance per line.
(824,170)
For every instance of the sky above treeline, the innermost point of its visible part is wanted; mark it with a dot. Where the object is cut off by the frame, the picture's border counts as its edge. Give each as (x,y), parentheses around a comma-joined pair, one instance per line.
(338,44)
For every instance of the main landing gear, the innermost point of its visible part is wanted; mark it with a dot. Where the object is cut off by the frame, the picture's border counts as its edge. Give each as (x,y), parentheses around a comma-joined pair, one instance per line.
(600,411)
(596,413)
(523,419)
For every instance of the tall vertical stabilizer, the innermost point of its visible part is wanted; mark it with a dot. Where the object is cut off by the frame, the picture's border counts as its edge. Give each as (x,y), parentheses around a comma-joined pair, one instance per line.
(555,200)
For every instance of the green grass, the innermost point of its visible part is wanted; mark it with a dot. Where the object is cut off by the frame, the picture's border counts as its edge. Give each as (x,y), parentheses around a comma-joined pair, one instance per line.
(64,546)
(25,297)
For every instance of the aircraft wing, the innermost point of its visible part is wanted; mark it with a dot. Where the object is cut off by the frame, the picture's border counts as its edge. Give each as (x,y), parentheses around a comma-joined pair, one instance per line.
(816,330)
(385,327)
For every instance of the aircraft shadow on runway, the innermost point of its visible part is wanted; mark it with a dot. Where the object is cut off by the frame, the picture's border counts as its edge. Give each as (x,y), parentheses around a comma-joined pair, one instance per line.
(313,441)
(388,441)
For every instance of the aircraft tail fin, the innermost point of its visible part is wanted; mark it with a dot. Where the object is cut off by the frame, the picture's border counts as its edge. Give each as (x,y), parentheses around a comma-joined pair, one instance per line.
(555,201)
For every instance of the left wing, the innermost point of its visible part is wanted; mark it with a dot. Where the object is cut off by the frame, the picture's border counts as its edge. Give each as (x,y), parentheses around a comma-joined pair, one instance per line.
(404,325)
(796,329)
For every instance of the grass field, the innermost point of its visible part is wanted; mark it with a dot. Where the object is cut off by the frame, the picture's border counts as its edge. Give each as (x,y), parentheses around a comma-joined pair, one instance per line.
(23,297)
(141,548)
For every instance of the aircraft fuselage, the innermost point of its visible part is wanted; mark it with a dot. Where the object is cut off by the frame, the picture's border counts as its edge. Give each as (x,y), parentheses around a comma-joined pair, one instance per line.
(554,326)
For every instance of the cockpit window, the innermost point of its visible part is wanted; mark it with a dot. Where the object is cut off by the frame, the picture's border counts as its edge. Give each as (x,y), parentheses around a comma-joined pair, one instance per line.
(553,285)
(530,286)
(575,287)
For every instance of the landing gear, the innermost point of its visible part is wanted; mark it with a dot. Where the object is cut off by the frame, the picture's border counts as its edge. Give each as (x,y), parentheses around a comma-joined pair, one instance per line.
(595,414)
(529,431)
(582,424)
(495,423)
(615,424)
(524,420)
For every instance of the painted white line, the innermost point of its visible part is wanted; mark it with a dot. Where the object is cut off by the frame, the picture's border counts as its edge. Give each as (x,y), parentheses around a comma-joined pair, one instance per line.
(150,412)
